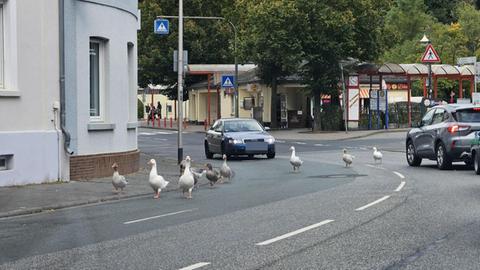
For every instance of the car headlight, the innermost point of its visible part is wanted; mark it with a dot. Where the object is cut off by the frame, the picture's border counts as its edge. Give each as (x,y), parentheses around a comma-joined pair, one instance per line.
(234,141)
(270,140)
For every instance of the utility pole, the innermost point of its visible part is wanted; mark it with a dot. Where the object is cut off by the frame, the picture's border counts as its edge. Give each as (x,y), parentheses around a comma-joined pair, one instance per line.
(180,80)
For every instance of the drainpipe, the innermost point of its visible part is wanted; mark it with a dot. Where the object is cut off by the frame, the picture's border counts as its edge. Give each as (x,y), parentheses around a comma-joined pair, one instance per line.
(61,34)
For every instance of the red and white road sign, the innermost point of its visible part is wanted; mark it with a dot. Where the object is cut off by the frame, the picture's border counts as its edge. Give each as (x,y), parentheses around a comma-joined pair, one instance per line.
(430,55)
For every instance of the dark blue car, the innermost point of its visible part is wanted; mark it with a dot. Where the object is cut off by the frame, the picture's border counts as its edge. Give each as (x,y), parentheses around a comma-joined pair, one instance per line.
(239,136)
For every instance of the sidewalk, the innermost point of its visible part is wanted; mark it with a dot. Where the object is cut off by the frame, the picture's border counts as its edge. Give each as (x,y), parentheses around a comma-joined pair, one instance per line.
(289,134)
(30,199)
(307,134)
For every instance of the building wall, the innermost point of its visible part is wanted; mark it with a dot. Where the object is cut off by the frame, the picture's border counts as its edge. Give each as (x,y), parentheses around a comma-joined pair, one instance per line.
(27,116)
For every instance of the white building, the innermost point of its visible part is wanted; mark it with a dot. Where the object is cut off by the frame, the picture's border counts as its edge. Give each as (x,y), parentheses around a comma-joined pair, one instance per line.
(67,89)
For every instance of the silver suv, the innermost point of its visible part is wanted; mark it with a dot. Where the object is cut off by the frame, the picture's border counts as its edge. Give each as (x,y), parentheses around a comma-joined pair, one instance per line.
(444,134)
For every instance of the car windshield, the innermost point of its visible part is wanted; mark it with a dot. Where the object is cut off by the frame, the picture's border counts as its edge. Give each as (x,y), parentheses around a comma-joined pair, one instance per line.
(242,126)
(468,116)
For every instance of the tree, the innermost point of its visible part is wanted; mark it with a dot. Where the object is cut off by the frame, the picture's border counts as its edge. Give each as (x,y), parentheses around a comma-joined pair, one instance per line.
(207,41)
(270,37)
(334,31)
(443,10)
(469,20)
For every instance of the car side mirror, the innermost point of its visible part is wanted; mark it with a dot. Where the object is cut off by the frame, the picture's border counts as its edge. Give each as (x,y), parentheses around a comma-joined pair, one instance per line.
(419,124)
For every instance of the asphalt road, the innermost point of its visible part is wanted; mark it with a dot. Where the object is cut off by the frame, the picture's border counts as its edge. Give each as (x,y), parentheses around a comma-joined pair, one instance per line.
(368,216)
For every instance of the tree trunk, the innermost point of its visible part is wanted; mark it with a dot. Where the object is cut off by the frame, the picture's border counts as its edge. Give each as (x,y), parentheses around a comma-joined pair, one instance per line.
(273,105)
(317,123)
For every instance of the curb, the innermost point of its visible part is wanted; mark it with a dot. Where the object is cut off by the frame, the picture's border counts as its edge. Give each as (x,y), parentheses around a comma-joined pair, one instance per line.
(172,129)
(37,210)
(371,134)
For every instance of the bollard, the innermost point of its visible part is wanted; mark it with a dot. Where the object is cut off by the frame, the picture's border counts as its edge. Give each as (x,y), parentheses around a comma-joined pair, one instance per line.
(184,123)
(205,124)
(165,122)
(171,122)
(159,122)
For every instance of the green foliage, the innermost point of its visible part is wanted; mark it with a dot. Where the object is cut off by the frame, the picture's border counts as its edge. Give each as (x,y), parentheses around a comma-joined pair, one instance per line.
(207,41)
(443,10)
(469,20)
(140,109)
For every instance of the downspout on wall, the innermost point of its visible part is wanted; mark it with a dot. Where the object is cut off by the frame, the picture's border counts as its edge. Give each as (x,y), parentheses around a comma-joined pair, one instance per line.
(61,34)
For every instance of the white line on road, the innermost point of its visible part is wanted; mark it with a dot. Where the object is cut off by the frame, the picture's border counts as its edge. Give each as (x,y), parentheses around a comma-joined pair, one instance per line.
(301,143)
(281,237)
(320,144)
(375,167)
(159,216)
(279,141)
(373,203)
(399,175)
(400,186)
(195,266)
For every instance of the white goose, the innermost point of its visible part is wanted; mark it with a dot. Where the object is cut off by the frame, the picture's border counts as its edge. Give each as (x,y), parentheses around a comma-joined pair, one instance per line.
(225,171)
(347,158)
(377,155)
(294,160)
(187,181)
(157,182)
(118,181)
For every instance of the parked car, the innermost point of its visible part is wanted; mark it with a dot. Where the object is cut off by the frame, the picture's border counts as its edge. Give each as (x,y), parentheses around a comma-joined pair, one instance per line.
(239,136)
(444,134)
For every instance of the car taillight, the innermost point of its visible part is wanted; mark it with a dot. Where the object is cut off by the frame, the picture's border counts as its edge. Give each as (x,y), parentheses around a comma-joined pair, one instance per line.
(476,109)
(457,128)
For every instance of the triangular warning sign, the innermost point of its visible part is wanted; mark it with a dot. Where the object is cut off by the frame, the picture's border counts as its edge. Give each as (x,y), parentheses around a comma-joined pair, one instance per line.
(430,55)
(161,28)
(227,82)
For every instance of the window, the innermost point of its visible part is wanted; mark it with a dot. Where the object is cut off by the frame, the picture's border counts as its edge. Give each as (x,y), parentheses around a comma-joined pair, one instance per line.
(131,74)
(438,117)
(427,119)
(6,162)
(96,79)
(2,41)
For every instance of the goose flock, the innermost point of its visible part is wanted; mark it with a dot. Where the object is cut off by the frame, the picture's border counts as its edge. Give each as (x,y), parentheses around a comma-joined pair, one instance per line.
(190,177)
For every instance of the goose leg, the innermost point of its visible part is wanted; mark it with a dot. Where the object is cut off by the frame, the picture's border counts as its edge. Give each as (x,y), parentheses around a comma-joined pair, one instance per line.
(190,193)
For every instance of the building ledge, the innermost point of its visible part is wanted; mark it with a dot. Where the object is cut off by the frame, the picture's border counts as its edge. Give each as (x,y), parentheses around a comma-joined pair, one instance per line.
(132,125)
(10,93)
(101,126)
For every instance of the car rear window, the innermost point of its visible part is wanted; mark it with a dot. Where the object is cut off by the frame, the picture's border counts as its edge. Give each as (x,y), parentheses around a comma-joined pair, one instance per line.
(468,115)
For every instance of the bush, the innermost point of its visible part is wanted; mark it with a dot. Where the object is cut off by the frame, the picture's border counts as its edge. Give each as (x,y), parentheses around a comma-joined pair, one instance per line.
(140,109)
(331,117)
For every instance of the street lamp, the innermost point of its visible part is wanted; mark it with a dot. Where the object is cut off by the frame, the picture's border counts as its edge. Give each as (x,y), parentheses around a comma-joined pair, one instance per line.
(425,41)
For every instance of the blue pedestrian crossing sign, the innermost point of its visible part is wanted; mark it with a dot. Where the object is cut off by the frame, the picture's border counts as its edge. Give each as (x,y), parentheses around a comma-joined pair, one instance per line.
(161,27)
(227,81)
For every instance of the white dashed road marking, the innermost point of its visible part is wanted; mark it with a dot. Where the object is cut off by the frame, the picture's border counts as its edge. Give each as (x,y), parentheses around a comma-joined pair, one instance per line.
(400,186)
(373,203)
(399,175)
(195,266)
(159,216)
(281,237)
(302,143)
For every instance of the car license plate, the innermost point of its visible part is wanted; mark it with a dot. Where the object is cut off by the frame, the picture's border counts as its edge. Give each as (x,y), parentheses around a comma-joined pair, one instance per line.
(257,146)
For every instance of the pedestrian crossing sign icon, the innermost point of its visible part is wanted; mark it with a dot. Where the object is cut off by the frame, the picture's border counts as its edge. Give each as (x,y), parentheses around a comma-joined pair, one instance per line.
(161,27)
(227,81)
(430,55)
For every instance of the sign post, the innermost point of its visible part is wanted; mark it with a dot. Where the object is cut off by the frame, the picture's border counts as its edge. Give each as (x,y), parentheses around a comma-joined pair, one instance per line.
(180,81)
(430,56)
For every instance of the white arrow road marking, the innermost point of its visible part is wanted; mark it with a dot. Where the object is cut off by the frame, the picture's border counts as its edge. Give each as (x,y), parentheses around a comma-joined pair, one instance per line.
(281,237)
(159,216)
(373,203)
(400,186)
(195,266)
(399,175)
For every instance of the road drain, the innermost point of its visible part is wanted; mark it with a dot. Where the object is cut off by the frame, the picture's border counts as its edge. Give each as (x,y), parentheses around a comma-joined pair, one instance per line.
(341,175)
